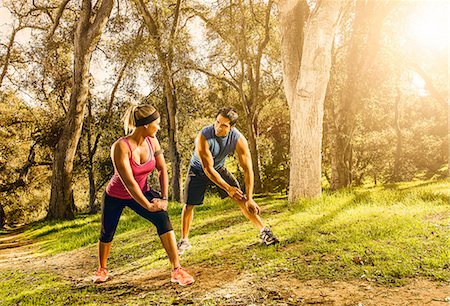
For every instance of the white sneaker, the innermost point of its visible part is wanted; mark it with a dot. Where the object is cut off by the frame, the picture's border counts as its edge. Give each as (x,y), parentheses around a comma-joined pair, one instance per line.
(183,245)
(267,236)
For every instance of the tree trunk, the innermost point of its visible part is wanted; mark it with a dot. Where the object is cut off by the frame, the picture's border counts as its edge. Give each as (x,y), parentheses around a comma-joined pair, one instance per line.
(61,200)
(344,110)
(165,61)
(172,126)
(88,32)
(90,165)
(340,159)
(92,192)
(398,133)
(2,216)
(363,47)
(254,152)
(306,76)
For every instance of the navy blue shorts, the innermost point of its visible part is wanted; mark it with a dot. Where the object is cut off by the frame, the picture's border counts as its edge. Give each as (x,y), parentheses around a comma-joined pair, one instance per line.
(112,209)
(197,182)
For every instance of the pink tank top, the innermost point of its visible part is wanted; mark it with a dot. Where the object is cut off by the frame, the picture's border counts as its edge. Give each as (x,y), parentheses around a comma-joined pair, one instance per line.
(115,186)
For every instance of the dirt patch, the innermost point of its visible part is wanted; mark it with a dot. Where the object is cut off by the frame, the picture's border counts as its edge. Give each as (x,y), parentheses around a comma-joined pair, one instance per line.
(220,285)
(417,292)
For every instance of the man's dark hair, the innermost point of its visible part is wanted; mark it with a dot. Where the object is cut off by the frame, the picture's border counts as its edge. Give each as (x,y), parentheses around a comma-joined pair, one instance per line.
(229,113)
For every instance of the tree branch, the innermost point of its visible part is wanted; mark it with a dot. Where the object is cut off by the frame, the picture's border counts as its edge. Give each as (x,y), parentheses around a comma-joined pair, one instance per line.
(429,84)
(222,79)
(57,19)
(101,17)
(174,30)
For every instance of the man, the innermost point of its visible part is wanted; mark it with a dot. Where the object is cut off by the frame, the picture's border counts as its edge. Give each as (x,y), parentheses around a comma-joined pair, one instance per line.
(212,145)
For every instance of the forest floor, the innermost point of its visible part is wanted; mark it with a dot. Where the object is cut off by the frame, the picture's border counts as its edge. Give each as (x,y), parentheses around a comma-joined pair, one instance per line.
(239,273)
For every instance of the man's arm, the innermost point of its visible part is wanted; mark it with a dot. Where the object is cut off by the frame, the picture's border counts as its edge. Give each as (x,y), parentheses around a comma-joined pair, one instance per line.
(245,161)
(206,158)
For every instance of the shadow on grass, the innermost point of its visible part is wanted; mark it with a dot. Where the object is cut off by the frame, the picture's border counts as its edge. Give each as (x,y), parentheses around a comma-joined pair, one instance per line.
(76,238)
(210,226)
(54,230)
(314,226)
(272,205)
(59,225)
(398,186)
(428,196)
(13,231)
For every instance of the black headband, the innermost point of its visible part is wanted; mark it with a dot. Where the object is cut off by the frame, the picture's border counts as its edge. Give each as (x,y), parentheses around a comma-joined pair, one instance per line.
(148,119)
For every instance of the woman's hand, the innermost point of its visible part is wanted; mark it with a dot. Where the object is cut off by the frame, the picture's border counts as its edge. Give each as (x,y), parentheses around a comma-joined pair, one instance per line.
(158,205)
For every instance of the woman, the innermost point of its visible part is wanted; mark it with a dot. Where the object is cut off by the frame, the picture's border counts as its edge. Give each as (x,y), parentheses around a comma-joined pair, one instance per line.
(134,157)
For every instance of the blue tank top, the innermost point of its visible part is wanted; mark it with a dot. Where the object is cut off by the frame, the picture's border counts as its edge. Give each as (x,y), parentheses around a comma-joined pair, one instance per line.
(220,147)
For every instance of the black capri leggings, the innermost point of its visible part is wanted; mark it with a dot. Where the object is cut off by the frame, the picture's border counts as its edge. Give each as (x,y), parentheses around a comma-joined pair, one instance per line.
(112,209)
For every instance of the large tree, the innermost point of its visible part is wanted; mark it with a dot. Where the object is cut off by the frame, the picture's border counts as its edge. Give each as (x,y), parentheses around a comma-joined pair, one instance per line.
(307,39)
(244,57)
(89,29)
(165,52)
(97,125)
(357,50)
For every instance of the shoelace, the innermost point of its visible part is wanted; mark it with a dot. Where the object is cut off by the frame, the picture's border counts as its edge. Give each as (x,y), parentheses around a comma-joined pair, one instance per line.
(181,269)
(102,272)
(183,272)
(267,235)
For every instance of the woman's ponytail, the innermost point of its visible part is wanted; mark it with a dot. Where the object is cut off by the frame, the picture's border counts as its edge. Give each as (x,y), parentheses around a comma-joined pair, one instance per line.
(129,121)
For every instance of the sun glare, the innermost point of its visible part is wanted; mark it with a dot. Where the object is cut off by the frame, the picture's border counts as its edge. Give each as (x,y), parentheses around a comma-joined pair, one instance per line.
(429,25)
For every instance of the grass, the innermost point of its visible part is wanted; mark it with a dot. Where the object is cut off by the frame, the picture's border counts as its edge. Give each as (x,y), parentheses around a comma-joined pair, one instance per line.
(42,288)
(384,234)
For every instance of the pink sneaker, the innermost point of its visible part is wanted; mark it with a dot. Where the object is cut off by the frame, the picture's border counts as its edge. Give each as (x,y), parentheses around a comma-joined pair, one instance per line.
(101,276)
(181,276)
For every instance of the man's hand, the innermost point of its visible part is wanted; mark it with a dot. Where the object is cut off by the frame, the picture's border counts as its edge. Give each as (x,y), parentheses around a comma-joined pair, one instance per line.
(252,207)
(235,193)
(158,205)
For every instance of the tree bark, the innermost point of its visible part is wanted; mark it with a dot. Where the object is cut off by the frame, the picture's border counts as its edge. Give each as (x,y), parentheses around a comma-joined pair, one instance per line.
(306,74)
(90,165)
(2,217)
(88,32)
(344,110)
(398,133)
(172,123)
(254,152)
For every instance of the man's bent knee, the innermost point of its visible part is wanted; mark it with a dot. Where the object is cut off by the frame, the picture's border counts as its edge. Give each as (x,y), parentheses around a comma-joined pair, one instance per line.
(189,207)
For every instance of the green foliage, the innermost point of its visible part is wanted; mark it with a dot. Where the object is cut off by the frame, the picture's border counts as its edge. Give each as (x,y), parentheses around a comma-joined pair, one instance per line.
(395,74)
(274,145)
(25,150)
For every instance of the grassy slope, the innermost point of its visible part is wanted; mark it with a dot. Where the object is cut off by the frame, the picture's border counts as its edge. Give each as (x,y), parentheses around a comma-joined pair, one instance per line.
(387,234)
